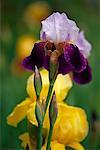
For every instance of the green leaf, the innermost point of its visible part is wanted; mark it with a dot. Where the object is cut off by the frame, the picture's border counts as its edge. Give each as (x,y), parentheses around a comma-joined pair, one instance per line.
(37,82)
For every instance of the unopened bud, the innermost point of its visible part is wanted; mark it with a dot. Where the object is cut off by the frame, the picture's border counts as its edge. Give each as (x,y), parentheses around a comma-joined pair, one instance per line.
(53,110)
(39,112)
(37,82)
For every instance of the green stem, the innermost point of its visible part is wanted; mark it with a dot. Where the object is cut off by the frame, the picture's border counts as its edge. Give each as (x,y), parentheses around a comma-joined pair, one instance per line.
(39,140)
(48,98)
(39,137)
(49,137)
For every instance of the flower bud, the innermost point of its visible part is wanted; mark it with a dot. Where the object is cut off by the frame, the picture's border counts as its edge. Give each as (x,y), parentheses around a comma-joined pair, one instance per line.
(39,112)
(53,110)
(37,82)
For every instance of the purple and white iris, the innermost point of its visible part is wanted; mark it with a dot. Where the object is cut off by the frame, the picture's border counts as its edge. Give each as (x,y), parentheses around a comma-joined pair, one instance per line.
(62,42)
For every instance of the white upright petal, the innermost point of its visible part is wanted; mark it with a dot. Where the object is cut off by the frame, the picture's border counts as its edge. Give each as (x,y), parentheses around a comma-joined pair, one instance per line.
(58,28)
(73,30)
(83,45)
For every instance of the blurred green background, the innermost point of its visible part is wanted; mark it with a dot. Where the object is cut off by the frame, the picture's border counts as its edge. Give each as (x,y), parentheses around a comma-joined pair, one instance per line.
(20,26)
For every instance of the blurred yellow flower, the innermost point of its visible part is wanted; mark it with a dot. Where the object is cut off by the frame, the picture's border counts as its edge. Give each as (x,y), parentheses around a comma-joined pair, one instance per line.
(22,110)
(36,12)
(24,46)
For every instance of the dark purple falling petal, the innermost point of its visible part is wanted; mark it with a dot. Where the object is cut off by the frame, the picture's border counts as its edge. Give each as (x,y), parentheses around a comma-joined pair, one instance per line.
(84,76)
(74,58)
(64,67)
(28,63)
(37,57)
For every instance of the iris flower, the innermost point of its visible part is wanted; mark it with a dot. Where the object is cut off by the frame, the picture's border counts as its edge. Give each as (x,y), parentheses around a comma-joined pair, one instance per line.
(22,109)
(70,128)
(61,42)
(71,125)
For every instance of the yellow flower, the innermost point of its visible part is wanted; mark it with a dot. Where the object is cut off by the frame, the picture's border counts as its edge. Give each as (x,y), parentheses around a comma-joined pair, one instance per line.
(70,128)
(19,112)
(22,110)
(26,140)
(71,125)
(24,46)
(36,12)
(62,86)
(55,146)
